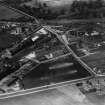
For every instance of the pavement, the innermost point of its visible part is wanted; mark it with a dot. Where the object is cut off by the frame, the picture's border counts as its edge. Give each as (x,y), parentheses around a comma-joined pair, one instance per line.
(68,95)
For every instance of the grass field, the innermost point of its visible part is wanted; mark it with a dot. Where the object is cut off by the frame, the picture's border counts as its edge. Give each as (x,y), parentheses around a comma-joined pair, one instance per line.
(6,40)
(96,60)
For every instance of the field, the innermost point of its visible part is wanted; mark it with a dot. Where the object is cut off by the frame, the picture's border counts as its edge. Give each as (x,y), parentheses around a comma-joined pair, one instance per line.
(96,61)
(6,40)
(67,95)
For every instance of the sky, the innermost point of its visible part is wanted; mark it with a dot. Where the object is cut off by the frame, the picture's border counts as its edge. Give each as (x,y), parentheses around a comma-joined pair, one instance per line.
(55,2)
(58,2)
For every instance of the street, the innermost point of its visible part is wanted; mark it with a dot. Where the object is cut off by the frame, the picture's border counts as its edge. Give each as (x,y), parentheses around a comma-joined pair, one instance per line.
(68,95)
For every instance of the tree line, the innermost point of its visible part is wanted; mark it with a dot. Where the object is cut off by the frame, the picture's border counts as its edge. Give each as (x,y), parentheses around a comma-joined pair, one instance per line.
(90,9)
(76,10)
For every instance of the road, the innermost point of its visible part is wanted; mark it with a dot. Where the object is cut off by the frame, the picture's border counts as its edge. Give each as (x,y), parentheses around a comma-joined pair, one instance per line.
(68,95)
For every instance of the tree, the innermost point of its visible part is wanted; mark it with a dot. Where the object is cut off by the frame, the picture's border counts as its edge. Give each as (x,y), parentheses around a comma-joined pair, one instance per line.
(83,9)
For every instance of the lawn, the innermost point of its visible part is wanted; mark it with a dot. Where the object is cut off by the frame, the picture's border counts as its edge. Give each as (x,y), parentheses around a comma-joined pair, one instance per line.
(96,60)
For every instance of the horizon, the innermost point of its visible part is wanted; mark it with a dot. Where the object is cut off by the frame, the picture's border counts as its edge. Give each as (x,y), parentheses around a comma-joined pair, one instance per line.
(53,3)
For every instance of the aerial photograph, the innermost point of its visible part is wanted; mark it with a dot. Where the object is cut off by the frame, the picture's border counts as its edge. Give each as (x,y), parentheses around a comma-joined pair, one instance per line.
(52,52)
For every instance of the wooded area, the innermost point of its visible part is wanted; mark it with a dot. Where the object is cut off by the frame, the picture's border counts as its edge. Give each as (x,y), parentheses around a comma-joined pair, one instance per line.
(76,10)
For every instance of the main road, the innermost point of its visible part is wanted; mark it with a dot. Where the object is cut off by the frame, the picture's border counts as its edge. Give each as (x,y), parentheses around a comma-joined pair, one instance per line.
(67,95)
